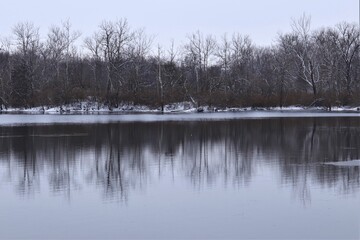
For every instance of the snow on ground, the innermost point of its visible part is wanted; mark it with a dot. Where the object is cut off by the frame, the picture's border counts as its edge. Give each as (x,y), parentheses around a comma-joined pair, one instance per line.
(94,107)
(351,163)
(342,109)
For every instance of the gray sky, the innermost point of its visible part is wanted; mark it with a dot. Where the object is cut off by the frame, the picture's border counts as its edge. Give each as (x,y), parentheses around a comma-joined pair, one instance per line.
(167,19)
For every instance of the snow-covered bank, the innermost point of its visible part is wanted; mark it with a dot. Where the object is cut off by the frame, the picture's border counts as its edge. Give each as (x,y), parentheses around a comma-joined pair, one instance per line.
(181,107)
(351,163)
(51,119)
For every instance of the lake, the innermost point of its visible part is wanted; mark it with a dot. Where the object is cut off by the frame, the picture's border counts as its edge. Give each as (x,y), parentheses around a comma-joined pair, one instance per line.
(244,175)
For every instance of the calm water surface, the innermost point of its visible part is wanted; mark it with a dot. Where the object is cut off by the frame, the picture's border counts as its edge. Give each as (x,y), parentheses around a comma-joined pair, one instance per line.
(154,176)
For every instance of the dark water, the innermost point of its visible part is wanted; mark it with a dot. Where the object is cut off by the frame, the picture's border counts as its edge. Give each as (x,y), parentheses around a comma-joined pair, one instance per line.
(241,178)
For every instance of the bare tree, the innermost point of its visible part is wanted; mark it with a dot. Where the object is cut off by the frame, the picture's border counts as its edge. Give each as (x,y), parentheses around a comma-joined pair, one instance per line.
(305,51)
(224,53)
(160,81)
(200,51)
(111,44)
(5,71)
(172,61)
(60,44)
(282,60)
(27,39)
(27,43)
(171,74)
(93,45)
(303,66)
(348,45)
(329,61)
(242,55)
(139,50)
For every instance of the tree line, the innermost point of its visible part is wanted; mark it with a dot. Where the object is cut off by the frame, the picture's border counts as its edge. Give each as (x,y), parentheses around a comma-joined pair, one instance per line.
(118,64)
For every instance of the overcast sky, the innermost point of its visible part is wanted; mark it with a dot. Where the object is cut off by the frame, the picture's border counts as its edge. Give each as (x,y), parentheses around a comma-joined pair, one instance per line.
(262,20)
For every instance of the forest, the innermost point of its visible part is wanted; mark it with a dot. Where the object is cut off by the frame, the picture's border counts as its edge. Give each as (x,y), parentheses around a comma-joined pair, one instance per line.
(118,64)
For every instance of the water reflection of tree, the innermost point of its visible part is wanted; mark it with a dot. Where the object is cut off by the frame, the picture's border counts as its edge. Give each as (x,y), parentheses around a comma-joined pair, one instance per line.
(323,141)
(120,157)
(27,178)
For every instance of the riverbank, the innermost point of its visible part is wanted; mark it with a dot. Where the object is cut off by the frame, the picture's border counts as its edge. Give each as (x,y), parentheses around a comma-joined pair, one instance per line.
(181,107)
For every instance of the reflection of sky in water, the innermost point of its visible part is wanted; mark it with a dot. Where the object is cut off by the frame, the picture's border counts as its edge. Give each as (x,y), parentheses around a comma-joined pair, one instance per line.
(225,179)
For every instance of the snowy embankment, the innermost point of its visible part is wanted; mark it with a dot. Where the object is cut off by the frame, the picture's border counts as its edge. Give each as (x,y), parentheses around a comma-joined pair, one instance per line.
(181,107)
(351,163)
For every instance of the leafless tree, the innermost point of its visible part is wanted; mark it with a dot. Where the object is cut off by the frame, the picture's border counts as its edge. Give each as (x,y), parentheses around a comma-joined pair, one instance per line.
(27,44)
(224,53)
(61,49)
(160,81)
(242,55)
(139,50)
(111,44)
(120,64)
(305,51)
(200,50)
(348,45)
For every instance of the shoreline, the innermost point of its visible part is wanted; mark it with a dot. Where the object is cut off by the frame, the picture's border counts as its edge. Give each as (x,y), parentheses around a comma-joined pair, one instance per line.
(182,107)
